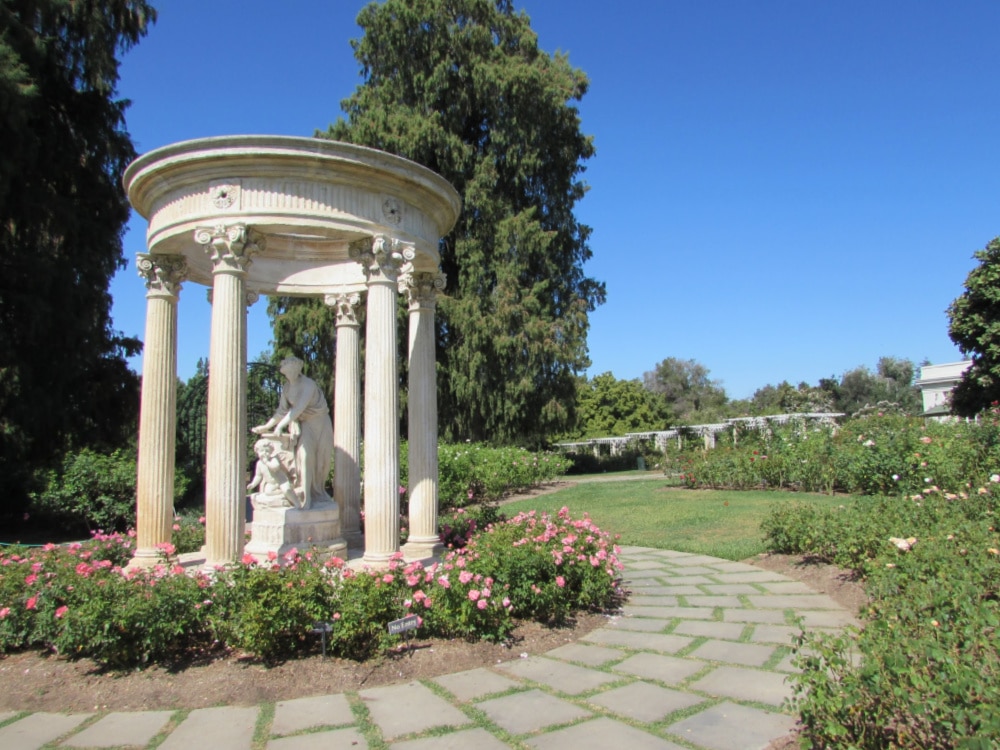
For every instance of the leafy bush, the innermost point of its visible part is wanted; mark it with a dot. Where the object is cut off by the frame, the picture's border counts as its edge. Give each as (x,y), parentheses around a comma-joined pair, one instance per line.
(94,491)
(929,669)
(78,600)
(879,454)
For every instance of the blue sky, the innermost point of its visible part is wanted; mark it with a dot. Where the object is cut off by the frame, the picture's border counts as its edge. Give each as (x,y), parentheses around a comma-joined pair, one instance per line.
(782,190)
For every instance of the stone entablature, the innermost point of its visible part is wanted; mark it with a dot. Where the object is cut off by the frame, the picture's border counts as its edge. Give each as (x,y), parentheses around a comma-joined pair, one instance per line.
(310,197)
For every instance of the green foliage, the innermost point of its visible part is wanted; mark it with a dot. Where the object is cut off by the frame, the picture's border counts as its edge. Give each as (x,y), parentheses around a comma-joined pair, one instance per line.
(471,473)
(64,381)
(878,454)
(463,88)
(77,599)
(94,491)
(974,326)
(928,675)
(268,610)
(188,533)
(609,407)
(690,394)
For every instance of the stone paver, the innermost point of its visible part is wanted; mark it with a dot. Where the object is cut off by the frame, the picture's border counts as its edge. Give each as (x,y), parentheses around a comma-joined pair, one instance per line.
(644,641)
(643,624)
(633,679)
(600,734)
(39,729)
(645,702)
(467,739)
(669,669)
(730,726)
(770,616)
(475,683)
(225,728)
(119,728)
(566,678)
(793,601)
(305,713)
(774,634)
(337,739)
(745,685)
(592,656)
(748,654)
(728,630)
(530,711)
(409,708)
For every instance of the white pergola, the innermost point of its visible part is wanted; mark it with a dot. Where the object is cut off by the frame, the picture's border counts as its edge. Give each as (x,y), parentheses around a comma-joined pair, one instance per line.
(252,215)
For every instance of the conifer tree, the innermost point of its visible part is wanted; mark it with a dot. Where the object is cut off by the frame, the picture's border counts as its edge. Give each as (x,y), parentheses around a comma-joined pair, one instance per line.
(64,381)
(462,87)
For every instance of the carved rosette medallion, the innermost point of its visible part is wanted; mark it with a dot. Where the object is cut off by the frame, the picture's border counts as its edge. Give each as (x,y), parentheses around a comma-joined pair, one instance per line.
(345,307)
(421,289)
(163,273)
(224,195)
(392,210)
(381,257)
(230,247)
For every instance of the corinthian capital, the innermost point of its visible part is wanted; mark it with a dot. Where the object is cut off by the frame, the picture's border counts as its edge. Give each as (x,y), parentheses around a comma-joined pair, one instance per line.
(345,306)
(381,257)
(421,289)
(163,273)
(230,246)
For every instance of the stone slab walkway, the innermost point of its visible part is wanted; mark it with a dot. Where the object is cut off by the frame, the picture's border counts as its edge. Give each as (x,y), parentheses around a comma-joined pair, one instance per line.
(698,660)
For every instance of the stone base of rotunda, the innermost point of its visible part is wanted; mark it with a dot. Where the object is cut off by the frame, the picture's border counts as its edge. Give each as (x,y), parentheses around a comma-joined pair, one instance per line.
(279,530)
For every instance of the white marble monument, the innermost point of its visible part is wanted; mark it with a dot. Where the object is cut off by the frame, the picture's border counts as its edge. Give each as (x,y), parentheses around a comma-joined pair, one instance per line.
(252,215)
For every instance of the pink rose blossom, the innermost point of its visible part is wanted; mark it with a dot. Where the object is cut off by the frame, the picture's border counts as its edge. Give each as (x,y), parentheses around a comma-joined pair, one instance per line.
(473,594)
(61,611)
(464,577)
(4,612)
(482,604)
(32,603)
(560,581)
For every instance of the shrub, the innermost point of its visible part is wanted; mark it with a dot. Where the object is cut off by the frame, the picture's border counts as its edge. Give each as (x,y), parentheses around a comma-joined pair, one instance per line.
(93,491)
(928,675)
(78,601)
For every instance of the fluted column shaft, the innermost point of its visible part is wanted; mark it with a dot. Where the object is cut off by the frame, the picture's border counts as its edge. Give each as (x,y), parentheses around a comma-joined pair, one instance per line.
(158,407)
(423,542)
(225,473)
(347,416)
(381,493)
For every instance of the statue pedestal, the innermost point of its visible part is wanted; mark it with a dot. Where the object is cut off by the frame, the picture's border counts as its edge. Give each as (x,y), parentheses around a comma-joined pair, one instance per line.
(278,530)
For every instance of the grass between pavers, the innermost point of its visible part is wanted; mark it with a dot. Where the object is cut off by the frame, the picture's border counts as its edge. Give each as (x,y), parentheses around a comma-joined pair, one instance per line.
(366,727)
(175,721)
(262,730)
(720,523)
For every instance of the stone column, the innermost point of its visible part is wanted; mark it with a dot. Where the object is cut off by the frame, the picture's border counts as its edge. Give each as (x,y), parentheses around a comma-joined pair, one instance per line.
(347,416)
(158,409)
(230,248)
(381,260)
(421,290)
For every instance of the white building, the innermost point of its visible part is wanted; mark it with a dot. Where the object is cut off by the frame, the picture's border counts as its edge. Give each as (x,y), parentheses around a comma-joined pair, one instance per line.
(936,383)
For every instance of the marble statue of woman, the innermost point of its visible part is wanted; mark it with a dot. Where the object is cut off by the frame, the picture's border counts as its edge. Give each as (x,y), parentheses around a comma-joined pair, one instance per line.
(304,413)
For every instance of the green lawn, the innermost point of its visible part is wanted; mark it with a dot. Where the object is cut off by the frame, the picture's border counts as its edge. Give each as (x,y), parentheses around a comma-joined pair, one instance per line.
(649,513)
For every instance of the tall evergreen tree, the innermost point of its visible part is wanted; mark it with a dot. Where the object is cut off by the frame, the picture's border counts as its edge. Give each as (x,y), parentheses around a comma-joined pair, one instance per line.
(461,87)
(63,376)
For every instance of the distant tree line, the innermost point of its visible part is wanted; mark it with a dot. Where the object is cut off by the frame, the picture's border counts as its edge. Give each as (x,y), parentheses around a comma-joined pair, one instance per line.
(681,392)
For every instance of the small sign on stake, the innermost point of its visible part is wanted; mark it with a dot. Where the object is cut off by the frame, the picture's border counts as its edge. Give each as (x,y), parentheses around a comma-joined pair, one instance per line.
(405,625)
(322,628)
